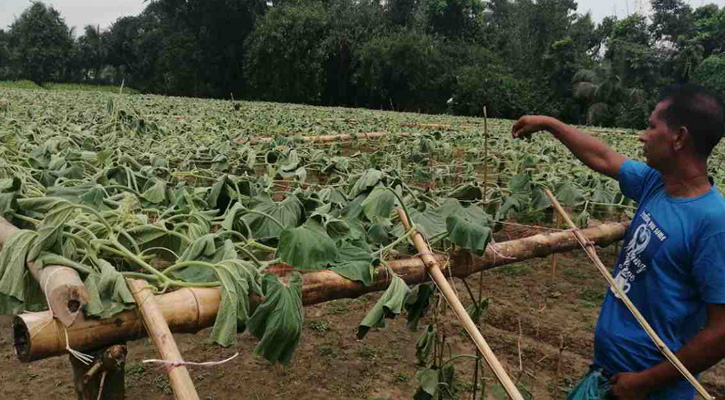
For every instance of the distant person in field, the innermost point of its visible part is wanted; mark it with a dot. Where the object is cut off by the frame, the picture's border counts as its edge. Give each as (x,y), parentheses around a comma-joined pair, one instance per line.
(672,265)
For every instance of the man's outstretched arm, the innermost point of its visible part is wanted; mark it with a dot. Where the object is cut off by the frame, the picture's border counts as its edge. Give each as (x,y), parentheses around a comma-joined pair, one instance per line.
(706,349)
(591,151)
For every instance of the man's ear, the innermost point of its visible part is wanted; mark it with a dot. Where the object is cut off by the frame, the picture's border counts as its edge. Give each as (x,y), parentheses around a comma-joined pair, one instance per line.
(681,138)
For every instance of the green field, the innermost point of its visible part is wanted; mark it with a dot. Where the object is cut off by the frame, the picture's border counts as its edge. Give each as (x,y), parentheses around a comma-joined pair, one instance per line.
(205,193)
(66,87)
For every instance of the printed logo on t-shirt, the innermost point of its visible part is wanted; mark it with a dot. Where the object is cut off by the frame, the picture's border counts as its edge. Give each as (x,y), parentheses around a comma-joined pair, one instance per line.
(646,239)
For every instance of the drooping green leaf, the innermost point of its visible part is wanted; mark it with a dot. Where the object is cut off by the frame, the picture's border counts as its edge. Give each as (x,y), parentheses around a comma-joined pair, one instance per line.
(307,247)
(417,305)
(569,194)
(520,183)
(108,293)
(389,305)
(12,271)
(94,197)
(369,179)
(425,344)
(278,320)
(467,192)
(238,280)
(156,193)
(437,383)
(539,200)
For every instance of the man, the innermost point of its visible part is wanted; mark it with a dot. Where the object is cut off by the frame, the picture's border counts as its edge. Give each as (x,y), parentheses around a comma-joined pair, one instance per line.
(672,266)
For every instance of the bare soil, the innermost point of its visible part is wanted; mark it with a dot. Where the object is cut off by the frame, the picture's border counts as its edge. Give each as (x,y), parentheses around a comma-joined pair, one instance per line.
(532,312)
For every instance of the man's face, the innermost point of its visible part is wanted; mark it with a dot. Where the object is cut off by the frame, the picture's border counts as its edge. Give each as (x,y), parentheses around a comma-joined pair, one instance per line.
(657,140)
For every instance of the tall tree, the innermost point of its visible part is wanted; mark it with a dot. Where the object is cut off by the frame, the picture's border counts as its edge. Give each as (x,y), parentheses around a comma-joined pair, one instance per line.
(92,53)
(40,43)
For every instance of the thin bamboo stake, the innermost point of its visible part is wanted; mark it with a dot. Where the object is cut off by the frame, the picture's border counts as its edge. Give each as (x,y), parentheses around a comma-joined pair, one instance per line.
(37,336)
(159,331)
(63,288)
(555,257)
(434,270)
(485,154)
(589,248)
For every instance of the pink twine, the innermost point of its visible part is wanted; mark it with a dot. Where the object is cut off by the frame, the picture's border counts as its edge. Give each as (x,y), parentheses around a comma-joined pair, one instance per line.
(168,365)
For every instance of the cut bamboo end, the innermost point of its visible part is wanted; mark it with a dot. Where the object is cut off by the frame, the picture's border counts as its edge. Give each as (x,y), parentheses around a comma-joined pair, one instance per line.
(62,286)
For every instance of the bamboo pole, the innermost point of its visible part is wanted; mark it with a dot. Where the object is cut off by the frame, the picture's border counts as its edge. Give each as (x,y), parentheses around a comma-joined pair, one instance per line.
(589,249)
(434,269)
(65,292)
(37,335)
(330,138)
(159,331)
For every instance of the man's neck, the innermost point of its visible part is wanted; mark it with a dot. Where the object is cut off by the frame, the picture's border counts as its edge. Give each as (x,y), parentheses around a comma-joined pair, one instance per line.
(686,179)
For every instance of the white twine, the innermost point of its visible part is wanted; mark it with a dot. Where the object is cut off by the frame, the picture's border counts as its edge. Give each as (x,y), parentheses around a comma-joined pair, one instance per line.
(171,364)
(84,358)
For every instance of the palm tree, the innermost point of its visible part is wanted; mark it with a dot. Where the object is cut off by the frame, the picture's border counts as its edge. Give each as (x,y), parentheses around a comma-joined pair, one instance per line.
(600,90)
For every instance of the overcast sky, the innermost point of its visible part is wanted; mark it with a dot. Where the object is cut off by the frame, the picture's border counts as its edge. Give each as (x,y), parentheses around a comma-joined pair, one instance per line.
(80,13)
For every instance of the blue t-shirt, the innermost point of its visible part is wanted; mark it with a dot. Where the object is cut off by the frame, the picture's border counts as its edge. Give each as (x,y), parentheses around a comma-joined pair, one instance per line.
(672,265)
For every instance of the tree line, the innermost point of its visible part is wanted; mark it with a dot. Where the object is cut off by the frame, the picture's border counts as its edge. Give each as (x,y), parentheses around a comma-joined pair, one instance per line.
(512,56)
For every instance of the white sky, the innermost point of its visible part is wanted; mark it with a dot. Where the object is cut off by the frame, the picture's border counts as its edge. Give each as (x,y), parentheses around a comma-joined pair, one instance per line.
(80,13)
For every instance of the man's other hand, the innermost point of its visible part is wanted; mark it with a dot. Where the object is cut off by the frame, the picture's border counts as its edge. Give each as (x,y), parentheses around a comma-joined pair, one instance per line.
(629,386)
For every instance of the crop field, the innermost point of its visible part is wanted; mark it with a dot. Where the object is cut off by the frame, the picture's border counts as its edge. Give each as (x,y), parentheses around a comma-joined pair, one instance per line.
(252,198)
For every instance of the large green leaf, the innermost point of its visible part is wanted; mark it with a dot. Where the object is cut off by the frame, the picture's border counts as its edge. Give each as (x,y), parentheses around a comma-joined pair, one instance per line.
(307,247)
(369,179)
(278,320)
(379,203)
(389,305)
(432,220)
(468,232)
(355,263)
(288,212)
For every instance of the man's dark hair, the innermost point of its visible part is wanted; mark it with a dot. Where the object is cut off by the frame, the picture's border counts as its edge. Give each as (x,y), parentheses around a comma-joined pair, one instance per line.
(695,108)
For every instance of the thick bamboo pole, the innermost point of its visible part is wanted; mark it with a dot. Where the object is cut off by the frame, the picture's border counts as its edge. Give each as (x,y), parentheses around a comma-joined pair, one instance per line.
(434,269)
(159,331)
(589,248)
(63,288)
(37,336)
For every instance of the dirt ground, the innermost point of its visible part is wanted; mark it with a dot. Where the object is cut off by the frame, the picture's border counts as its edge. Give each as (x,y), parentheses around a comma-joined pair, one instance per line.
(532,311)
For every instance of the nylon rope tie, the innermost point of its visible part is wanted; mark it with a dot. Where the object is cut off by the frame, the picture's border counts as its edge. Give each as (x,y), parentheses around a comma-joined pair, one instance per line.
(168,365)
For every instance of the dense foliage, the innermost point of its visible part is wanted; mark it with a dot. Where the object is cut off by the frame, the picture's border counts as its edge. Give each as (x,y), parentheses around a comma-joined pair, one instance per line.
(513,56)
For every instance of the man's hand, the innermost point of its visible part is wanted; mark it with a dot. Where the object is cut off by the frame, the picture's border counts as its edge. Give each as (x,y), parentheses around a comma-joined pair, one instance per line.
(526,125)
(629,386)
